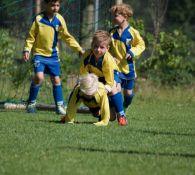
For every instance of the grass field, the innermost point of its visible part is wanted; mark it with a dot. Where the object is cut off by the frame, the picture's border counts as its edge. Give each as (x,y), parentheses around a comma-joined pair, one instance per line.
(159,140)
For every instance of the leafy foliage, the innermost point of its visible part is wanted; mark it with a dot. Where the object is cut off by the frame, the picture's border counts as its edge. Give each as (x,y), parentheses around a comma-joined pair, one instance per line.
(70,64)
(171,60)
(6,52)
(167,60)
(11,67)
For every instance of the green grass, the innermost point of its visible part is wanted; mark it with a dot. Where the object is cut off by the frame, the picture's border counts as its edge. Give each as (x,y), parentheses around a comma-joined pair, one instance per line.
(160,139)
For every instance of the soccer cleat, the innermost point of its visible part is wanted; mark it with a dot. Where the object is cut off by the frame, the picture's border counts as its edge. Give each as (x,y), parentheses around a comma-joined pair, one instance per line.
(65,119)
(60,110)
(122,120)
(31,107)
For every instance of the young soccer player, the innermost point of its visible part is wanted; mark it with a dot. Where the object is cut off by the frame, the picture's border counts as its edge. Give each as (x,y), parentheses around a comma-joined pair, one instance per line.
(43,42)
(99,61)
(126,45)
(92,93)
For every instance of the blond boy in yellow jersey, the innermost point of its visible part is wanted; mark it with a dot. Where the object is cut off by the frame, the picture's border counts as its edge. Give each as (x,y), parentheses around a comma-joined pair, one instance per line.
(42,41)
(126,45)
(99,61)
(92,93)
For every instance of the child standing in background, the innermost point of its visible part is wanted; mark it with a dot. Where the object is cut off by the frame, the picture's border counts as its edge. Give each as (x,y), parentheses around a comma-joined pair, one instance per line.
(43,42)
(126,45)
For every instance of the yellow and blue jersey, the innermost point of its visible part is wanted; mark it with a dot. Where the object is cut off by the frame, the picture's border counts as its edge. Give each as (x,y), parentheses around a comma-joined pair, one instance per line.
(129,42)
(104,67)
(99,99)
(44,34)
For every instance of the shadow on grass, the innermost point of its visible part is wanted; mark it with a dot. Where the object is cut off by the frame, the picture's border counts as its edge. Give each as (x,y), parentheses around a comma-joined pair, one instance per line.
(60,123)
(153,132)
(164,133)
(130,152)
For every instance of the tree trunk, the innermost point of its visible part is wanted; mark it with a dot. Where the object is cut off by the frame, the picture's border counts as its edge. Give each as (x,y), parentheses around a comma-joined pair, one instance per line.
(158,11)
(87,24)
(37,6)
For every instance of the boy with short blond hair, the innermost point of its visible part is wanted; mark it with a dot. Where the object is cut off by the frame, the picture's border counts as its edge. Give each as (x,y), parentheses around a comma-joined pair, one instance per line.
(126,45)
(42,41)
(99,61)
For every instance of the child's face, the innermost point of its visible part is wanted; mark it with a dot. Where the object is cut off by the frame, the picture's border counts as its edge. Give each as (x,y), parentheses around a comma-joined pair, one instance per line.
(53,7)
(99,49)
(118,19)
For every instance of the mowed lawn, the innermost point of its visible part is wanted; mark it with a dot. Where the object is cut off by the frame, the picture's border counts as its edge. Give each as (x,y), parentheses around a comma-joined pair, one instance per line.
(159,140)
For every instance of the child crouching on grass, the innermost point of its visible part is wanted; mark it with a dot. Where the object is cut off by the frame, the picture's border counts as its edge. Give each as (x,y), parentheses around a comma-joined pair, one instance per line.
(91,93)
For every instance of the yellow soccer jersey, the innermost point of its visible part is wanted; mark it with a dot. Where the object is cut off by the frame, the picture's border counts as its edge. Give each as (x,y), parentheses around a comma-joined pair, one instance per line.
(130,42)
(99,99)
(104,67)
(44,33)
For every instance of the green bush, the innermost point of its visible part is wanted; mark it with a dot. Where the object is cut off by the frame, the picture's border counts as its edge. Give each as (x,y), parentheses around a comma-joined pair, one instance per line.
(167,60)
(7,48)
(12,66)
(171,60)
(70,64)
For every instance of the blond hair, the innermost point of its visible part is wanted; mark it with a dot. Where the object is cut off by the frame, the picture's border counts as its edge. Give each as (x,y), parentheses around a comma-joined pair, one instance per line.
(123,9)
(101,36)
(88,84)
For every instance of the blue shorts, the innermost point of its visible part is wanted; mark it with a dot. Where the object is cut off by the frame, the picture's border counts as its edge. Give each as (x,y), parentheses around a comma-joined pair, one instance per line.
(127,84)
(127,81)
(48,65)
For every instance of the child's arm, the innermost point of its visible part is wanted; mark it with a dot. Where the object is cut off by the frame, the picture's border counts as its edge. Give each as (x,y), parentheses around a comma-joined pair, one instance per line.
(104,110)
(29,42)
(73,103)
(108,68)
(68,38)
(138,45)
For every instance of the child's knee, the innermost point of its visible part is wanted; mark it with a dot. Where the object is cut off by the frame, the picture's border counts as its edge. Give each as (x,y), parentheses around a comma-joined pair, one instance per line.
(128,92)
(56,80)
(38,80)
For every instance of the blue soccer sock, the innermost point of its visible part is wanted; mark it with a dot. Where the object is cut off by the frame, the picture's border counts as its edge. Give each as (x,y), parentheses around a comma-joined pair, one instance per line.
(128,100)
(34,90)
(117,102)
(58,95)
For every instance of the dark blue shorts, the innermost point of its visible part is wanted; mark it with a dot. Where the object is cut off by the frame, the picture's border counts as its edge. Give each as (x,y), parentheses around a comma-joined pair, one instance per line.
(47,65)
(127,84)
(127,81)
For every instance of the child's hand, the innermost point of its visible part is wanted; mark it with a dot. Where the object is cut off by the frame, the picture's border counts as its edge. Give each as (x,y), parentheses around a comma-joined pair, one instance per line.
(101,123)
(115,59)
(26,56)
(82,52)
